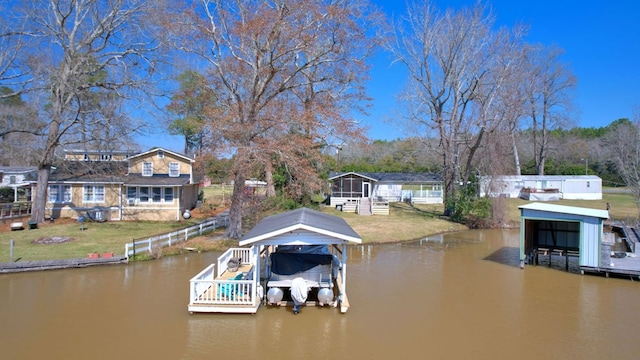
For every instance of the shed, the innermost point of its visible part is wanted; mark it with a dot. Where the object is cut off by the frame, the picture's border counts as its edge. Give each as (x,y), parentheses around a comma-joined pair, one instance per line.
(298,231)
(562,230)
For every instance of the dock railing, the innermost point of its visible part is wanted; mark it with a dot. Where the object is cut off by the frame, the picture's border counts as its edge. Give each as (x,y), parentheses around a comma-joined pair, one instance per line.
(205,289)
(148,244)
(244,254)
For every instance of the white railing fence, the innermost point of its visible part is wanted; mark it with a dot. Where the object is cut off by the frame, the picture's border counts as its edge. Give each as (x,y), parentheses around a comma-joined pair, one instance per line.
(148,244)
(204,289)
(244,254)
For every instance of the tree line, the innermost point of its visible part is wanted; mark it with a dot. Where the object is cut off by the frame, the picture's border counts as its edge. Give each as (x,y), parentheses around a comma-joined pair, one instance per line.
(575,151)
(272,88)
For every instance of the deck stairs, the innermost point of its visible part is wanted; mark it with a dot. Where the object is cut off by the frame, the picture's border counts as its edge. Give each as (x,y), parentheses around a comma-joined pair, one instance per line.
(365,206)
(632,238)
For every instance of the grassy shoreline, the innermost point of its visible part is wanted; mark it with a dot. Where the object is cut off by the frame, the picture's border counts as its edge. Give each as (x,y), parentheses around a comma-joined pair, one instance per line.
(405,222)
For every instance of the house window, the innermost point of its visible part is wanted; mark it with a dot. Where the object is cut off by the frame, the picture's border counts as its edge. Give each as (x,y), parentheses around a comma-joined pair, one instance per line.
(160,154)
(174,169)
(168,195)
(93,194)
(157,194)
(147,169)
(132,194)
(53,193)
(144,194)
(59,194)
(12,179)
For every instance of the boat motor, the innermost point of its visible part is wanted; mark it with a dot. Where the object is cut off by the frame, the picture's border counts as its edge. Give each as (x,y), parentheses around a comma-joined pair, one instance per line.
(299,293)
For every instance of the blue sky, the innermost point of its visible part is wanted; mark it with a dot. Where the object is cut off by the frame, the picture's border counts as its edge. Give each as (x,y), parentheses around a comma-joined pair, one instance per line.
(602,47)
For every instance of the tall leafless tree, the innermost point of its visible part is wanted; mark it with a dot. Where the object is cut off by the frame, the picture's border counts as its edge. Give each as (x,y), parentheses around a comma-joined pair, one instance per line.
(285,73)
(623,145)
(458,68)
(80,47)
(548,88)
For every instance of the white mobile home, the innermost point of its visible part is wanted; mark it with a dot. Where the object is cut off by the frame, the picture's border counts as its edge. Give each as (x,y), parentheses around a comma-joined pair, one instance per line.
(543,187)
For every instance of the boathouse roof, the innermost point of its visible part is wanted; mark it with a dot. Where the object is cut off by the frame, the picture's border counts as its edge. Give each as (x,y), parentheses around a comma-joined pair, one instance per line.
(316,228)
(562,209)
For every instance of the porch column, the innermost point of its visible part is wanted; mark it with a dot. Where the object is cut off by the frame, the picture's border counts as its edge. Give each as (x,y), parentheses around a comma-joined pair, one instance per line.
(344,268)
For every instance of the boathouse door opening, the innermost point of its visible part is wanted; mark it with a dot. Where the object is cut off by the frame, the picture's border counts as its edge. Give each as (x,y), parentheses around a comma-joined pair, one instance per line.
(551,237)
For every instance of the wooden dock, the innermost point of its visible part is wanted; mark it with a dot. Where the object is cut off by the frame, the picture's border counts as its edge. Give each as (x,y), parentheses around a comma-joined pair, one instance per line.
(22,266)
(627,267)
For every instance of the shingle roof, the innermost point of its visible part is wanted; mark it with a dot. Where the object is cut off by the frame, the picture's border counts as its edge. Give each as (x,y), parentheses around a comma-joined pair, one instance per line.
(157,179)
(89,171)
(17,169)
(403,177)
(303,218)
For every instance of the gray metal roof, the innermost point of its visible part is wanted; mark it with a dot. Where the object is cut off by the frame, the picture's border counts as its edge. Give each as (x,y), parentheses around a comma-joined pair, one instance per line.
(302,219)
(544,177)
(563,209)
(393,177)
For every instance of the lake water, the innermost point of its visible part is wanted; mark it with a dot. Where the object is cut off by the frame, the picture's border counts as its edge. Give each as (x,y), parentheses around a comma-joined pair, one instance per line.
(457,296)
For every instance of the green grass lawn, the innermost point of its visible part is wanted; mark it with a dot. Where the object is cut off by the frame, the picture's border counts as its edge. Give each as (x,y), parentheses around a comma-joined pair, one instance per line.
(83,239)
(405,222)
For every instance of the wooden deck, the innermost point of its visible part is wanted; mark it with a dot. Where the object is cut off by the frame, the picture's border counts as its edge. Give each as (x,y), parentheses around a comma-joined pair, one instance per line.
(22,266)
(627,267)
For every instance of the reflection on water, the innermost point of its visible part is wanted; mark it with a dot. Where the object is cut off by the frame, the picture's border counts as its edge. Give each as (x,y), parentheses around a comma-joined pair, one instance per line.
(454,296)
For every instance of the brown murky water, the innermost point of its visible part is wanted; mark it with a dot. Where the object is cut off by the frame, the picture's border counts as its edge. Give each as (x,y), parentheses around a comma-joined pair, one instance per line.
(460,296)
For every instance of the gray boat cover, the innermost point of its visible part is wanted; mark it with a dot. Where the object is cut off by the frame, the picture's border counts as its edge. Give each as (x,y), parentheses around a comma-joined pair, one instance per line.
(283,263)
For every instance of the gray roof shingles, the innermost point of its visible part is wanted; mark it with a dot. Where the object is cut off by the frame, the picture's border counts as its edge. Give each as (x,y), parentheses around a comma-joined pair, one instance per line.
(395,177)
(302,216)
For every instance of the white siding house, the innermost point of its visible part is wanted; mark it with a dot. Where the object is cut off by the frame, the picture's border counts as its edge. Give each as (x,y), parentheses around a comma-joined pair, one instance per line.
(18,177)
(423,188)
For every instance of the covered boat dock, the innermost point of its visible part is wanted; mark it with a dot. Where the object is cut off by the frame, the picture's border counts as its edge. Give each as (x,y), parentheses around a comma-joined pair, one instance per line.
(306,247)
(300,252)
(560,234)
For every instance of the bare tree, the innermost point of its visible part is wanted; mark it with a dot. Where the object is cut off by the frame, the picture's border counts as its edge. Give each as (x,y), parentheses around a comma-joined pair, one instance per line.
(623,144)
(548,87)
(18,123)
(458,68)
(284,73)
(85,47)
(13,39)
